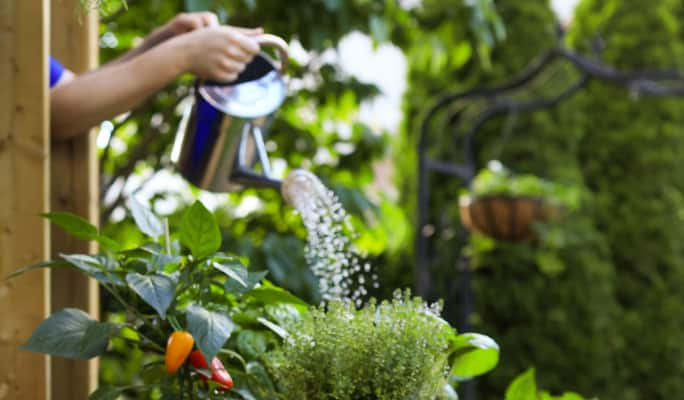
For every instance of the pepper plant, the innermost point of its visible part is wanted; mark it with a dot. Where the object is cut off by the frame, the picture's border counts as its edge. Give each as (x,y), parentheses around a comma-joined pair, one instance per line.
(178,293)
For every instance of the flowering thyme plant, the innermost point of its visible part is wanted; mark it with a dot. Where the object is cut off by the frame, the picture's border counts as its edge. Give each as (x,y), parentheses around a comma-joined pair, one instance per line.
(390,351)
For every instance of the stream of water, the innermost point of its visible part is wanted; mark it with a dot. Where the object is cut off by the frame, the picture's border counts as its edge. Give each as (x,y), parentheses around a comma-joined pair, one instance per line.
(330,252)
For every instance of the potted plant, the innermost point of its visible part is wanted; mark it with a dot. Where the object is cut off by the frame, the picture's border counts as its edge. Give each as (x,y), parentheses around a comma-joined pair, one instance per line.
(504,206)
(200,317)
(395,350)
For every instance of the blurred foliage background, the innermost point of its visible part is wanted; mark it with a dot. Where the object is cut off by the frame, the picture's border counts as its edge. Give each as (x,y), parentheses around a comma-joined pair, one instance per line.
(595,306)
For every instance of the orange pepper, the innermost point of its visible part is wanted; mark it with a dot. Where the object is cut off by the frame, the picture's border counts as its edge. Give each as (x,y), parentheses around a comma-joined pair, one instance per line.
(178,348)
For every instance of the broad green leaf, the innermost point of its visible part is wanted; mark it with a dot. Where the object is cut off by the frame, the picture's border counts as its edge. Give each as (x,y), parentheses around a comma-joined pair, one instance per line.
(252,344)
(148,223)
(253,278)
(234,271)
(158,262)
(275,328)
(472,355)
(42,264)
(80,228)
(97,267)
(71,333)
(523,387)
(73,224)
(157,290)
(210,329)
(274,295)
(106,393)
(199,231)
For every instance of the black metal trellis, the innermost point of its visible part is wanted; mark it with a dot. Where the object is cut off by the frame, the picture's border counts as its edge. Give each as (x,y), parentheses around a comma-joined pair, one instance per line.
(498,101)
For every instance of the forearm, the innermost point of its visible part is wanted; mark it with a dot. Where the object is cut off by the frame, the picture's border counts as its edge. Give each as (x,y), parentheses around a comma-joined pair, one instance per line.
(104,93)
(160,35)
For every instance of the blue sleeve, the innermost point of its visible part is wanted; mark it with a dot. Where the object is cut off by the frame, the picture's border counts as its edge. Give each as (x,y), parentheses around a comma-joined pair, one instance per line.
(56,71)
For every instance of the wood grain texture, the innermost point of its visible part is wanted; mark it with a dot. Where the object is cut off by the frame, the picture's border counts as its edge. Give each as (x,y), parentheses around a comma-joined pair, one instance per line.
(24,193)
(74,188)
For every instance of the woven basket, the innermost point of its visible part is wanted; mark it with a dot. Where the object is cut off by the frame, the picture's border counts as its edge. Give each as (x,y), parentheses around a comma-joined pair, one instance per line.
(505,218)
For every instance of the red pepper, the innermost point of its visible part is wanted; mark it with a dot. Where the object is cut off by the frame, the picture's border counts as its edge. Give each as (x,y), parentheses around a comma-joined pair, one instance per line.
(218,371)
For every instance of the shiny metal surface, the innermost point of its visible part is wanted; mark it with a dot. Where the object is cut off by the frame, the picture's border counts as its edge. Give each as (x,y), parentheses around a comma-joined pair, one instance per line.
(220,137)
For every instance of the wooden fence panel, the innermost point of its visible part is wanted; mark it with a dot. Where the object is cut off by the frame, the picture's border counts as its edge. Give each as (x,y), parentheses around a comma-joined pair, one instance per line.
(74,188)
(24,193)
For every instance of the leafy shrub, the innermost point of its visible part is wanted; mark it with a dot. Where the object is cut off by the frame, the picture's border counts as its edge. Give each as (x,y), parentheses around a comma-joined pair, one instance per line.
(166,285)
(395,350)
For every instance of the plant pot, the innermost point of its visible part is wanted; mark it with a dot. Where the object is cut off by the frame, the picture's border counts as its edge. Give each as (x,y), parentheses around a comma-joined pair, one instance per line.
(505,218)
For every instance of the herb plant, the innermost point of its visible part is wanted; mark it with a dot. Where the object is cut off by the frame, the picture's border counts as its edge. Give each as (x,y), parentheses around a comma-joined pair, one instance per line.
(177,295)
(496,179)
(392,351)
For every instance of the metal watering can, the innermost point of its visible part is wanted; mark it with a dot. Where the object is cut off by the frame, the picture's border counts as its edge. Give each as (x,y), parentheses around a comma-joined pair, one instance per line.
(221,134)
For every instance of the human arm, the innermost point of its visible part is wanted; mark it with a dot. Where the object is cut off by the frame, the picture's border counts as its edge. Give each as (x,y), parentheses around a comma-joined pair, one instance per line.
(180,24)
(216,52)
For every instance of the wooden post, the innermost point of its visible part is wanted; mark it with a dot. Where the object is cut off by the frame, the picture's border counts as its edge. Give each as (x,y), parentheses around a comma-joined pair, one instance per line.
(24,191)
(74,188)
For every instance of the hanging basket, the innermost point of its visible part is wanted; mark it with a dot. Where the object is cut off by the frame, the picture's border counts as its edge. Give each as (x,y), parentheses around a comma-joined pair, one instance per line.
(505,218)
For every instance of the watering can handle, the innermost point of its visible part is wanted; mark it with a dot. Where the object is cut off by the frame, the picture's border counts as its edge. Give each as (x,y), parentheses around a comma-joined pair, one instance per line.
(281,46)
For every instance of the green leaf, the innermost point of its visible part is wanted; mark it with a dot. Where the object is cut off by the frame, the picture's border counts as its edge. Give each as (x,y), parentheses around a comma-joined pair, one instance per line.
(42,264)
(106,393)
(275,328)
(210,329)
(472,355)
(234,271)
(274,295)
(549,263)
(199,231)
(71,333)
(523,387)
(148,223)
(253,278)
(80,228)
(157,290)
(158,262)
(252,344)
(73,224)
(94,267)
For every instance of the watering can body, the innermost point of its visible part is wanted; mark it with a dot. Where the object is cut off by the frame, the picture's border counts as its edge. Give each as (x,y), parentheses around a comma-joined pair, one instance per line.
(220,139)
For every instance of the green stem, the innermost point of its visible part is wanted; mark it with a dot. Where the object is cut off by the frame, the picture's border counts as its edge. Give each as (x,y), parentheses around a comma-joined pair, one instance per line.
(181,383)
(192,383)
(174,323)
(167,236)
(153,343)
(128,307)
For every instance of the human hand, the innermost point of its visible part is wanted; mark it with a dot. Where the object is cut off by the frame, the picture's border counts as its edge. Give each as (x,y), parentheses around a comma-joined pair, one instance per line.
(180,24)
(219,52)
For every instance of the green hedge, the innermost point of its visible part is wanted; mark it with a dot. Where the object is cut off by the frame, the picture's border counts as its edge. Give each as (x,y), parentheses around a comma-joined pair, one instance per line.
(594,306)
(631,159)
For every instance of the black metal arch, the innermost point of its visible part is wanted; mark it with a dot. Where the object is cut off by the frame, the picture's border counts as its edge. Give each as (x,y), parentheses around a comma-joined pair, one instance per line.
(659,83)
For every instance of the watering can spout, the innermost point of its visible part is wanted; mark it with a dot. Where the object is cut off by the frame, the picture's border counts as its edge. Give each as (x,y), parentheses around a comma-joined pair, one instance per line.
(245,177)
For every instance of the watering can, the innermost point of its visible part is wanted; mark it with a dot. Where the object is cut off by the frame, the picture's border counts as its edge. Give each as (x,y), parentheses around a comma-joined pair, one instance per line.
(221,134)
